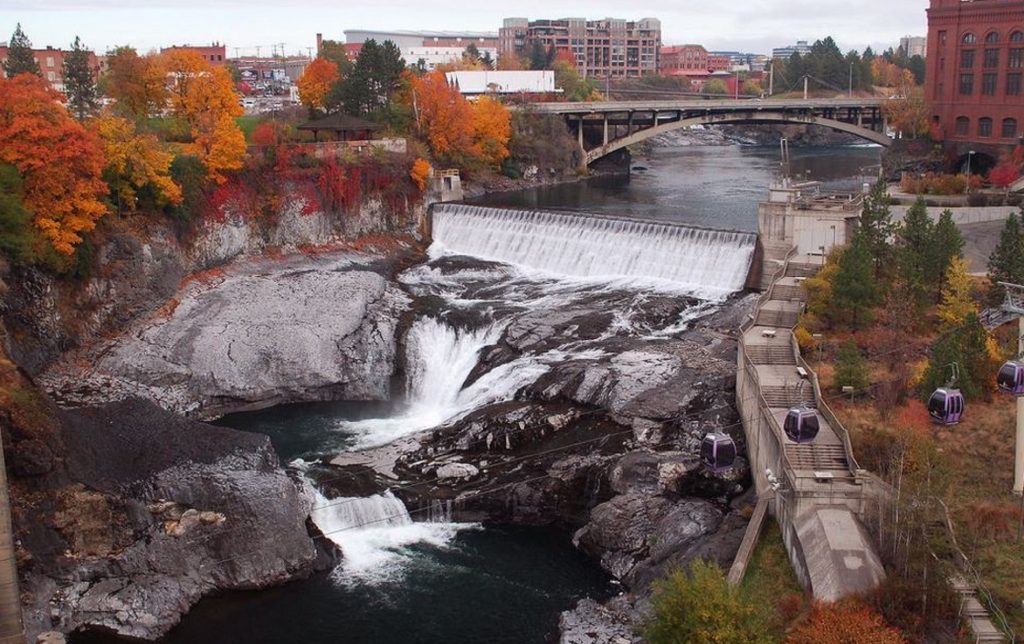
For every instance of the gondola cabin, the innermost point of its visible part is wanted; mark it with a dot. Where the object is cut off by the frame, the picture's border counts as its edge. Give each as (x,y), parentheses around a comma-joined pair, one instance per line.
(1011,378)
(946,406)
(801,425)
(718,452)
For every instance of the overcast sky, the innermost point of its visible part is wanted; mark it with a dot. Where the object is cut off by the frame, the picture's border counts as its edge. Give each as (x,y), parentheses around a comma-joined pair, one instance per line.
(748,25)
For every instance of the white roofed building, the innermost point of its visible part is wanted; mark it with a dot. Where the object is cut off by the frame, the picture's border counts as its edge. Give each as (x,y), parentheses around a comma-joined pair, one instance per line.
(475,83)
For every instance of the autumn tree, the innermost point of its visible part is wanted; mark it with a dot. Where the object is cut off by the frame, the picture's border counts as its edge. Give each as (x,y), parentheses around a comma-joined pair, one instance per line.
(204,97)
(701,607)
(573,86)
(419,173)
(136,83)
(492,129)
(79,81)
(443,117)
(1005,173)
(908,112)
(135,161)
(714,87)
(59,161)
(20,57)
(957,301)
(846,622)
(316,82)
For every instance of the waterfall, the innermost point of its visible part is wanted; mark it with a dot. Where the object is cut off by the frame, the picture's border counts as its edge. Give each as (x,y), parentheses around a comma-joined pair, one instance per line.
(374,532)
(701,261)
(439,358)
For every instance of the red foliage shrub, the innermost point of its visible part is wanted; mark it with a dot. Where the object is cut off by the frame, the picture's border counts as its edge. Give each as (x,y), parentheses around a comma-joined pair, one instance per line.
(847,622)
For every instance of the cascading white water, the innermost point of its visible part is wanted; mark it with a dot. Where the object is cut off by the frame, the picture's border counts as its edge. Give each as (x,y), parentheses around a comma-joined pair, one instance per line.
(439,359)
(372,533)
(707,263)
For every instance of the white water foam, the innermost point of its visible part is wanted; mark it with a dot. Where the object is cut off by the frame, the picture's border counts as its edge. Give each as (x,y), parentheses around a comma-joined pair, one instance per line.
(706,263)
(374,534)
(439,359)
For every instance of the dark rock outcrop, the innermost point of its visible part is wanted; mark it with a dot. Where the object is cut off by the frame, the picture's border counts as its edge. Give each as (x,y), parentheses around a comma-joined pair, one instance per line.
(150,513)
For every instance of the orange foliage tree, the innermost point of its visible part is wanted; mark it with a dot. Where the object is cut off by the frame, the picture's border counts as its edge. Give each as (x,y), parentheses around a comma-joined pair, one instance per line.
(316,82)
(61,162)
(845,622)
(492,129)
(908,112)
(136,83)
(419,173)
(135,160)
(457,131)
(204,97)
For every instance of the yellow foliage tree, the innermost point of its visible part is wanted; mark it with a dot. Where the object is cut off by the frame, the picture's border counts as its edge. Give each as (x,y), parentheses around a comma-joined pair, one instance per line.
(957,302)
(492,129)
(134,160)
(316,82)
(204,97)
(908,112)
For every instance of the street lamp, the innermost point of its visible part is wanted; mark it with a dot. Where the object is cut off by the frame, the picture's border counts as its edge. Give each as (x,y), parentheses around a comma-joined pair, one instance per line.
(849,91)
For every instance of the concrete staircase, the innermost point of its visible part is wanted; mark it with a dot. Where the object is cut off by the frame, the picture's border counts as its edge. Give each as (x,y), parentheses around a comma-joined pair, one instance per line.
(974,613)
(775,253)
(770,354)
(786,396)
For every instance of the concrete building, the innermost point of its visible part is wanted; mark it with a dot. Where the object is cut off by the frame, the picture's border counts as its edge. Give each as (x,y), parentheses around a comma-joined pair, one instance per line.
(801,47)
(611,47)
(51,64)
(475,83)
(433,47)
(974,74)
(683,60)
(914,46)
(215,53)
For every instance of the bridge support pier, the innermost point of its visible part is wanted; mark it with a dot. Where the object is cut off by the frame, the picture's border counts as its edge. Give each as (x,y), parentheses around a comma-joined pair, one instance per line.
(605,123)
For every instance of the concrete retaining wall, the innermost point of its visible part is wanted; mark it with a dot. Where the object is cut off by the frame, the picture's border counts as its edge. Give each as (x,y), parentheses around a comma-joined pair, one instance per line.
(963,214)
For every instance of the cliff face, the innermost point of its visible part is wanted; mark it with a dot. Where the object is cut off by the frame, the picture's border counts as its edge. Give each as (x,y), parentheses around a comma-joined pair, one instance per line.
(140,263)
(128,513)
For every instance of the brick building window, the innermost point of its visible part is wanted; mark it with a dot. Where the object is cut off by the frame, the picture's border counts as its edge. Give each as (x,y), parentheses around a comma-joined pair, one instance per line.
(967,59)
(1017,36)
(984,126)
(1013,84)
(992,38)
(966,84)
(963,125)
(942,37)
(1009,128)
(969,39)
(1016,59)
(988,84)
(991,58)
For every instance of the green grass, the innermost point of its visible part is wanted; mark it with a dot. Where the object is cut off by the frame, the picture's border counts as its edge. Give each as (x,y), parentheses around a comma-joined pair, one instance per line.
(771,584)
(248,124)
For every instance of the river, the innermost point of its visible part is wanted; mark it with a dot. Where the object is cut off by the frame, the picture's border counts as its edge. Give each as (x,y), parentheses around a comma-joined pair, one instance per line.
(437,581)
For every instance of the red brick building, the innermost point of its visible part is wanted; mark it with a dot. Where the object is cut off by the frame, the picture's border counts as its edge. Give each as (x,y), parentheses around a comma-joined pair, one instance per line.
(975,66)
(719,62)
(214,54)
(51,64)
(683,60)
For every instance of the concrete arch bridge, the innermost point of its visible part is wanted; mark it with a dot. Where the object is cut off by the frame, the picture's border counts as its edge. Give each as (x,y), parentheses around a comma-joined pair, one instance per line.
(606,127)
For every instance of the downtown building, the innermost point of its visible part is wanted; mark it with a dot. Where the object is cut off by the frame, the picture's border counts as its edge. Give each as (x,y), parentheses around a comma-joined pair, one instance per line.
(608,48)
(51,64)
(429,48)
(975,73)
(214,53)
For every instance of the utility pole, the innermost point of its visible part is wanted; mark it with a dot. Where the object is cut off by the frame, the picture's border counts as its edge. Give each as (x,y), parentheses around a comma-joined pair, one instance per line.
(1014,304)
(805,88)
(771,78)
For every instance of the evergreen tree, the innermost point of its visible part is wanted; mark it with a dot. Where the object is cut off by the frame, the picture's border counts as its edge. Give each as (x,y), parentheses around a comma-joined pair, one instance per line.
(79,84)
(877,228)
(851,368)
(16,228)
(20,57)
(967,346)
(854,289)
(947,243)
(374,77)
(914,256)
(1006,264)
(472,54)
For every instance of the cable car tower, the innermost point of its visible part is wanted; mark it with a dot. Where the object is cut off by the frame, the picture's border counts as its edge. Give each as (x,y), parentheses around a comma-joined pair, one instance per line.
(1013,305)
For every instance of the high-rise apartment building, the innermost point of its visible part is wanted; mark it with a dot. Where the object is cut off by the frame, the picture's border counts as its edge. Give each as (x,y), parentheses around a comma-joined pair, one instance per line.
(975,70)
(914,46)
(610,47)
